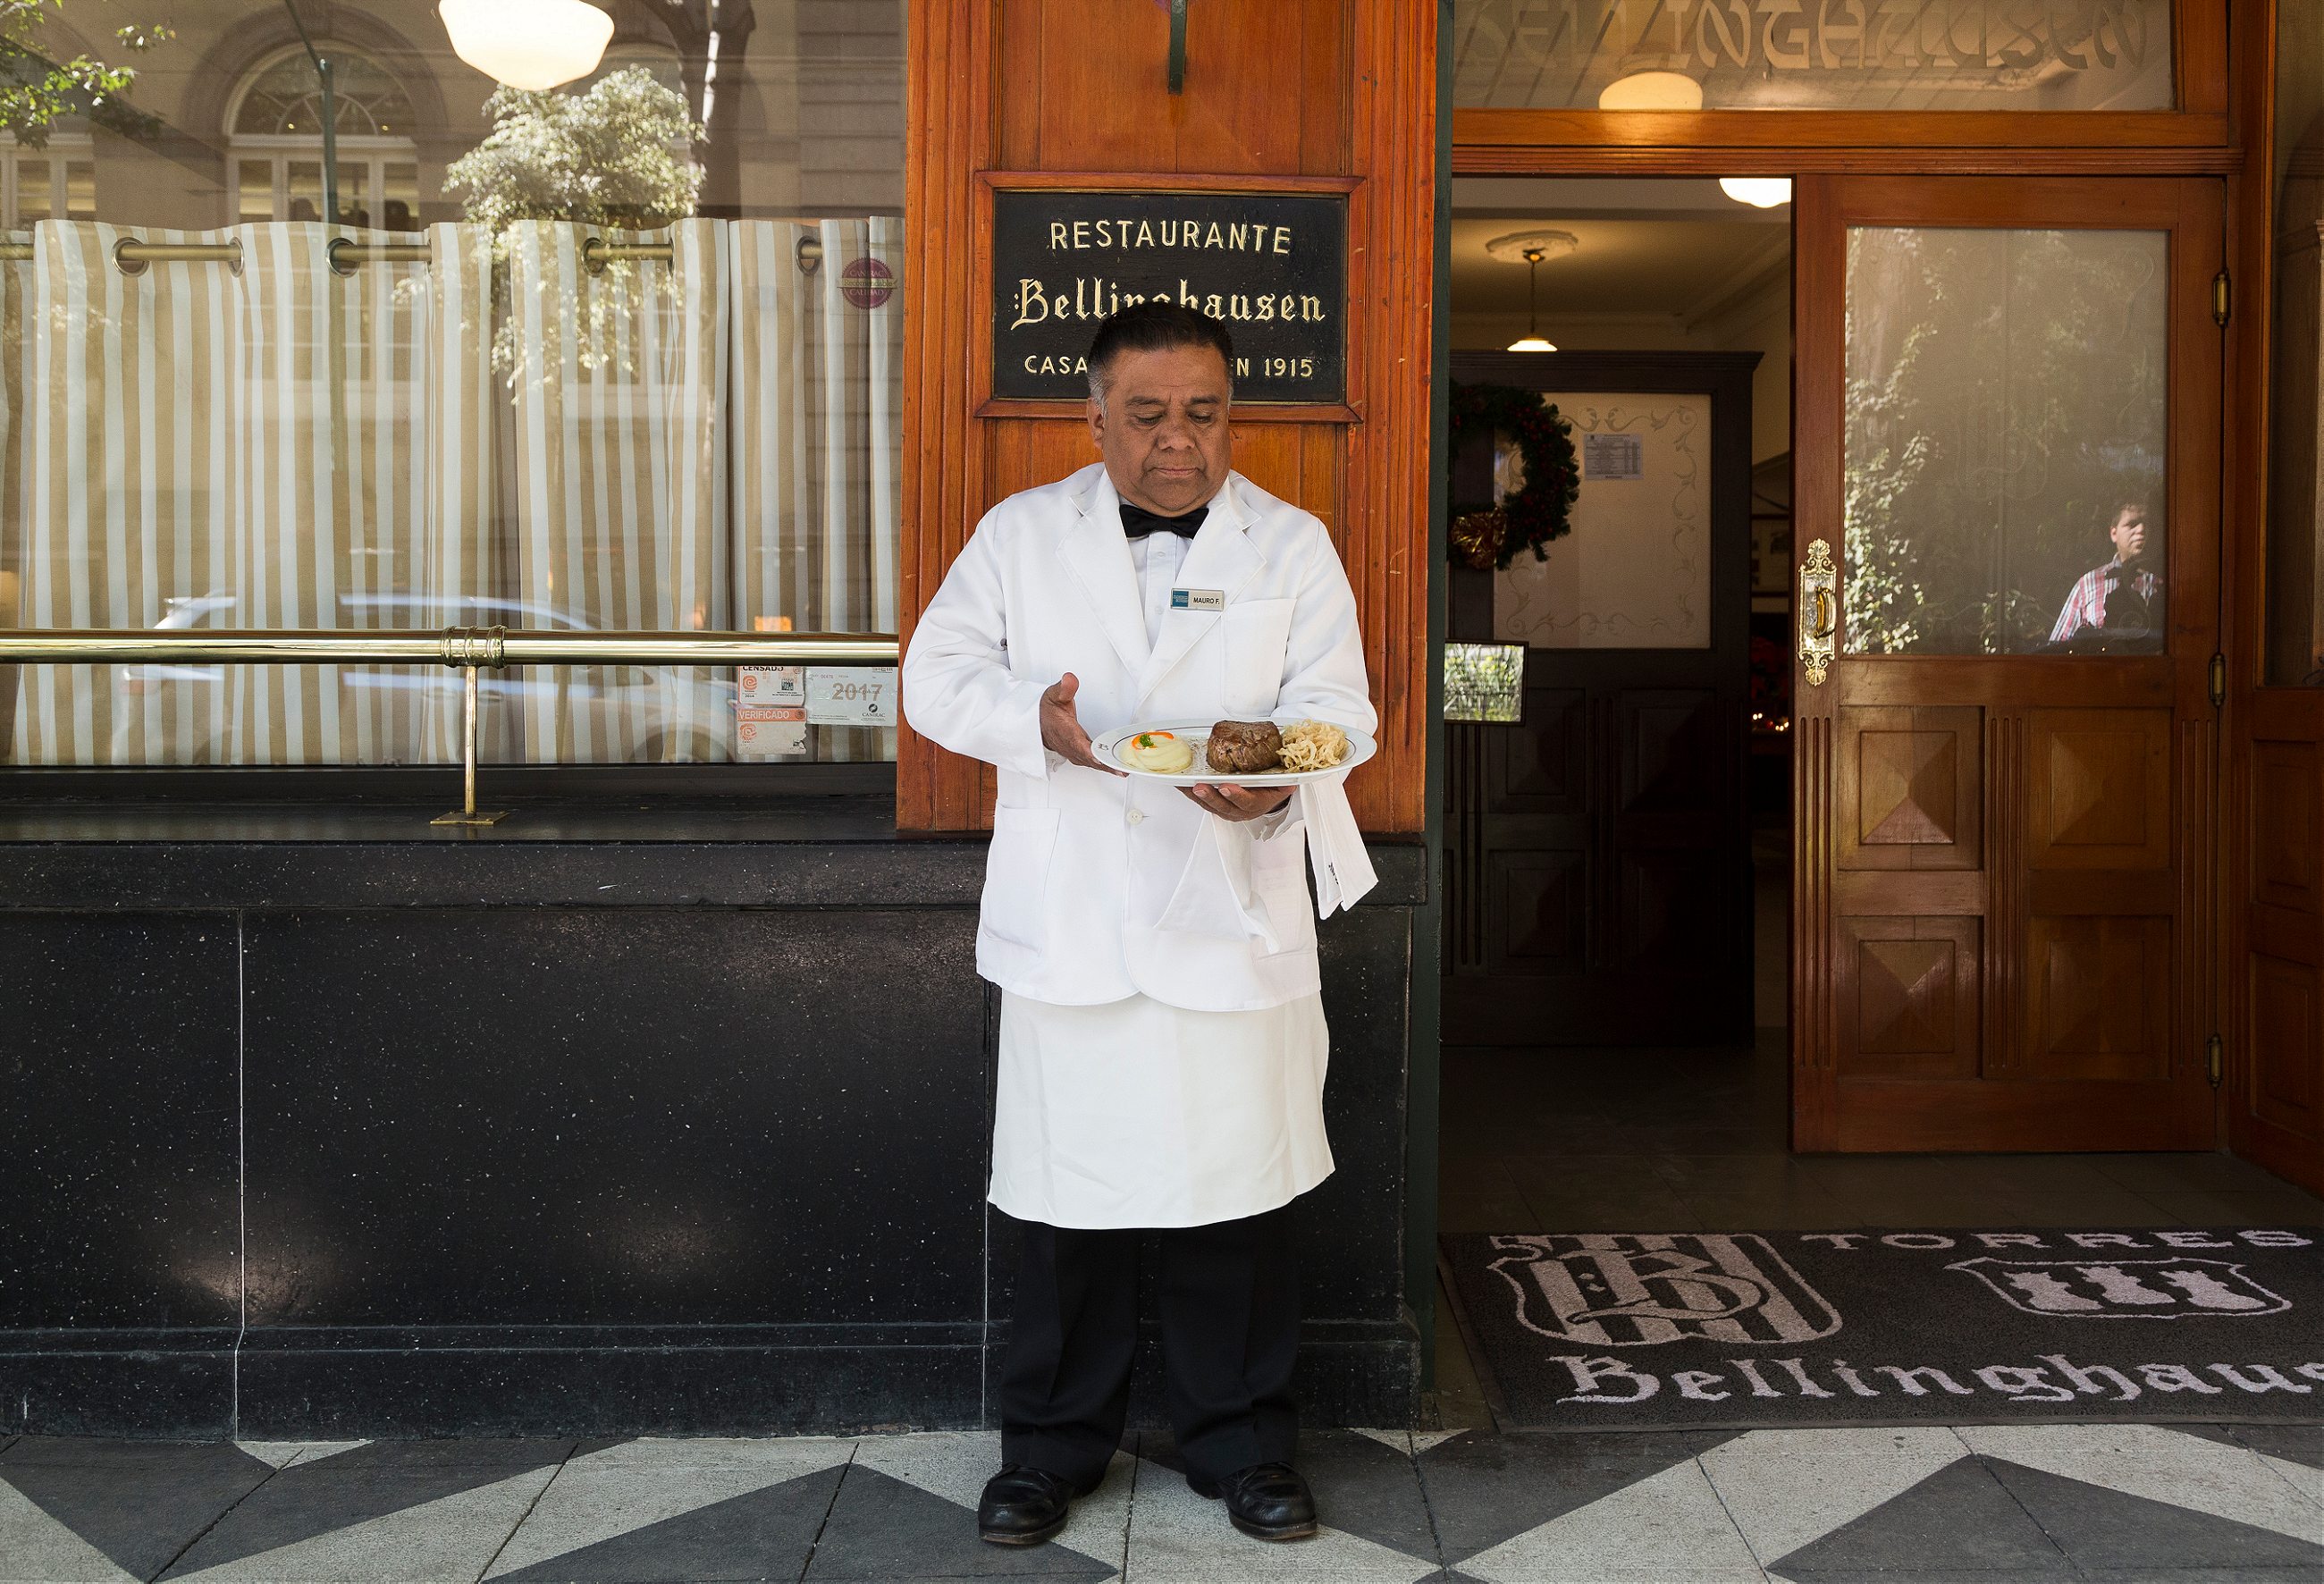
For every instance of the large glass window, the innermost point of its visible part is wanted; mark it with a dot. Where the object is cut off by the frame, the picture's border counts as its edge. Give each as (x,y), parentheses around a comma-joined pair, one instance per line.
(2295,571)
(2005,441)
(1881,55)
(624,355)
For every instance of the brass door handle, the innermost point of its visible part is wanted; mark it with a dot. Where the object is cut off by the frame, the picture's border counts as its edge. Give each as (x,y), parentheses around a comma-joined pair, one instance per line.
(1827,615)
(1819,595)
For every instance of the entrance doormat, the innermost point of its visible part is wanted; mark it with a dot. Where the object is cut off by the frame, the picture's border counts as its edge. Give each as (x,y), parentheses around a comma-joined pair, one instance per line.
(1595,1330)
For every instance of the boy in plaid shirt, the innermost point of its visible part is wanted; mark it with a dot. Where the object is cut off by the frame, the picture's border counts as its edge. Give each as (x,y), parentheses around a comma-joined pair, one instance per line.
(2118,595)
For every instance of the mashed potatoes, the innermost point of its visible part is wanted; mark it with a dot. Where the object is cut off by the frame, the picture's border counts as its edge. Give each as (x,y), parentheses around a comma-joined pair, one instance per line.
(1158,752)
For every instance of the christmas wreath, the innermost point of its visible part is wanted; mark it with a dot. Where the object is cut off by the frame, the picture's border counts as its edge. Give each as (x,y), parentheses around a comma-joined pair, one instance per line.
(1491,536)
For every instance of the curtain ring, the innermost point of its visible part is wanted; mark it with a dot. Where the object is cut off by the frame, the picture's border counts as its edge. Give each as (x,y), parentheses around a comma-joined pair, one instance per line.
(335,253)
(124,262)
(810,254)
(592,254)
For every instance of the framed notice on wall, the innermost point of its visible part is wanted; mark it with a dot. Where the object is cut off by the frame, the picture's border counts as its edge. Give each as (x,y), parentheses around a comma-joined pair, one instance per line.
(1269,258)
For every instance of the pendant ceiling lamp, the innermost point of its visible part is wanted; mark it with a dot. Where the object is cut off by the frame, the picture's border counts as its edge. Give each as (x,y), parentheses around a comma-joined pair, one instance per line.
(1761,192)
(532,44)
(1651,90)
(1532,247)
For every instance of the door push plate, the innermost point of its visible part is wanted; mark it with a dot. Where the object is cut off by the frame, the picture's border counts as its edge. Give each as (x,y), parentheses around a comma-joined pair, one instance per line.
(1819,612)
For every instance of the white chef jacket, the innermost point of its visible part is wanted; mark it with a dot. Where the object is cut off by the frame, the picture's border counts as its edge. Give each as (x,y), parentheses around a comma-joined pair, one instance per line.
(1097,886)
(1162,1057)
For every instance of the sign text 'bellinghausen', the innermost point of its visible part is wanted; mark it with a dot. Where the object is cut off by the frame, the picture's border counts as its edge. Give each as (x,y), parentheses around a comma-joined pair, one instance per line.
(1272,266)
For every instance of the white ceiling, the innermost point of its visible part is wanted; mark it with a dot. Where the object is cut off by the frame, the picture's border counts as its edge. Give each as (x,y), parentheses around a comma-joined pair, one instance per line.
(1680,248)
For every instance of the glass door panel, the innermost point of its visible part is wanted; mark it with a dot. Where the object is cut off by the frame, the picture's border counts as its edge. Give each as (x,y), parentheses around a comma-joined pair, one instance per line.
(2005,444)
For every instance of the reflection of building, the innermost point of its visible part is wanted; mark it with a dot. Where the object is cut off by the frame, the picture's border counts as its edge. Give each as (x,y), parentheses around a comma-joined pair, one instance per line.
(275,143)
(805,114)
(58,182)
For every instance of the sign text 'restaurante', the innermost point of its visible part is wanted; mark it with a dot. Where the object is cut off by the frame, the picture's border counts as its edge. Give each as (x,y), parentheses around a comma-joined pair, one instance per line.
(1272,266)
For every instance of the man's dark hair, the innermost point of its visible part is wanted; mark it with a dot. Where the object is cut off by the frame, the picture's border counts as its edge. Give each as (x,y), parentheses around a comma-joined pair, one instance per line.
(1156,325)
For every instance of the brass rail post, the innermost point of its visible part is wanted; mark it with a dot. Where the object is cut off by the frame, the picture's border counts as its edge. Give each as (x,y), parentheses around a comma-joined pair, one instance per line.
(467,647)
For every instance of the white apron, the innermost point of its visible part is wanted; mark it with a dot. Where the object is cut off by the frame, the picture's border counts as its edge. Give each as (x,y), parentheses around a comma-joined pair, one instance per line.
(1162,1040)
(1138,1114)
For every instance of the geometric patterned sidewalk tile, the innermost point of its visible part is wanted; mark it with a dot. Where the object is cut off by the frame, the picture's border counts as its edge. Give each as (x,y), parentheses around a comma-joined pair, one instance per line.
(1995,1504)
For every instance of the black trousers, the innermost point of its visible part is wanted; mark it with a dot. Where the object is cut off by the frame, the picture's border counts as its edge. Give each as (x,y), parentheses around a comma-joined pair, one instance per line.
(1230,1301)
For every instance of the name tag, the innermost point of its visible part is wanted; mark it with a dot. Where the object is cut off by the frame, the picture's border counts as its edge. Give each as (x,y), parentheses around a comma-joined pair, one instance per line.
(1198,599)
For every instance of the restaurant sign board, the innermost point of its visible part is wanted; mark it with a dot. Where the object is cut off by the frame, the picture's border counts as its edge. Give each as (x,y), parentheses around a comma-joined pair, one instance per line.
(1273,265)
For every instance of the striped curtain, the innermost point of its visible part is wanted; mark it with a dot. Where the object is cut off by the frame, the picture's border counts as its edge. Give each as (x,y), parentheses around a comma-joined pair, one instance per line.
(213,448)
(620,486)
(818,436)
(707,444)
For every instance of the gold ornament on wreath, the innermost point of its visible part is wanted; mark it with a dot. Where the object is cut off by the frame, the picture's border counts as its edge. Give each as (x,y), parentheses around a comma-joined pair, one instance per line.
(1477,538)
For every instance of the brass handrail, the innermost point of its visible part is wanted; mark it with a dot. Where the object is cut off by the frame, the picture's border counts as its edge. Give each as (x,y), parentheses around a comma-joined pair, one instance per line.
(346,253)
(464,649)
(522,647)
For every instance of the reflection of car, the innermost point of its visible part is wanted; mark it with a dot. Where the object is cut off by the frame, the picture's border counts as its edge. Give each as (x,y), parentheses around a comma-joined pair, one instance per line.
(668,715)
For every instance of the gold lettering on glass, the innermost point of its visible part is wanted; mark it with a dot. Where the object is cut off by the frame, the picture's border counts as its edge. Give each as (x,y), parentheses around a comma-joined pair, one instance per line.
(1822,54)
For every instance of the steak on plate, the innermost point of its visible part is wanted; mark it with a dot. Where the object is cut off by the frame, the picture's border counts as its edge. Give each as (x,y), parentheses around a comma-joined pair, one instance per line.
(1245,748)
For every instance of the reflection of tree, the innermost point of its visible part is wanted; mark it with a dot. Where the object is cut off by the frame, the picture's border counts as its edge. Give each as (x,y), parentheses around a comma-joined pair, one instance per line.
(619,155)
(2004,391)
(37,90)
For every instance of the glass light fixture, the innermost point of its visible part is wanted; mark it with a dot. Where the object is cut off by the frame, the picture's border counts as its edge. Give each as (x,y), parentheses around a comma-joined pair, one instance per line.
(1761,192)
(1652,90)
(530,44)
(1532,340)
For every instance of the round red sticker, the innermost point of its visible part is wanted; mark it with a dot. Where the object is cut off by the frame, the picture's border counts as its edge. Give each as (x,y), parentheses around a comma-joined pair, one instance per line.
(866,283)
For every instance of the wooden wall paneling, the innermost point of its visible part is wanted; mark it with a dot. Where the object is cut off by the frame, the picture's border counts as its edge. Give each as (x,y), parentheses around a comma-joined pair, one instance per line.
(2100,792)
(2272,951)
(949,90)
(2286,849)
(1392,245)
(1911,788)
(1276,90)
(1264,91)
(1908,996)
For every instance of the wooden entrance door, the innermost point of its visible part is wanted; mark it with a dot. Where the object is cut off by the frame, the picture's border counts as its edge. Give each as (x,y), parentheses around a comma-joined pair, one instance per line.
(2002,918)
(1598,874)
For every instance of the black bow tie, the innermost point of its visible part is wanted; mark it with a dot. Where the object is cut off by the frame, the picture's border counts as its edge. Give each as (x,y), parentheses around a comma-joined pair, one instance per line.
(1137,521)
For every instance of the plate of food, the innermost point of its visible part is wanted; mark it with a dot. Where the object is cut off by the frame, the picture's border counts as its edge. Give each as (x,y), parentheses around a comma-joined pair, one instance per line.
(1239,753)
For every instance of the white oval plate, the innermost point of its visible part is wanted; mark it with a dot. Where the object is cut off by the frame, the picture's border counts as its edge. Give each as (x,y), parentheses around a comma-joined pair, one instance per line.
(1107,748)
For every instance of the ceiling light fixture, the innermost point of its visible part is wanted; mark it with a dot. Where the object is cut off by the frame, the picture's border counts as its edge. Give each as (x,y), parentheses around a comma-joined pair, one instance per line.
(1532,247)
(1651,90)
(530,44)
(1532,340)
(1761,192)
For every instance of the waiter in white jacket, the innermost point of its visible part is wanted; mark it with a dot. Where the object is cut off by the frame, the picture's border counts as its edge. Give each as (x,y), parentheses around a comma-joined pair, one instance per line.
(1162,1037)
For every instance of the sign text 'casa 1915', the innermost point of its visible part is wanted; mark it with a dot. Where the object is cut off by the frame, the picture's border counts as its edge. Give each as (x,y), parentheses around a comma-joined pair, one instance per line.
(1272,266)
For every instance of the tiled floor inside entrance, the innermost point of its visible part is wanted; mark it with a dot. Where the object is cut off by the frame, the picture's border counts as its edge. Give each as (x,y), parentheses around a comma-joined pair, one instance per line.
(2190,1503)
(1694,1140)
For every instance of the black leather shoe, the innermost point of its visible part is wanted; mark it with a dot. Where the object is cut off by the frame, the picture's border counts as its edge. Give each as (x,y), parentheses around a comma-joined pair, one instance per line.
(1023,1506)
(1267,1501)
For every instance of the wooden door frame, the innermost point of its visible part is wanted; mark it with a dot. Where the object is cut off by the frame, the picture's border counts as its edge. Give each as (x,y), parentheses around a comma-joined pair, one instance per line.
(2262,930)
(2187,208)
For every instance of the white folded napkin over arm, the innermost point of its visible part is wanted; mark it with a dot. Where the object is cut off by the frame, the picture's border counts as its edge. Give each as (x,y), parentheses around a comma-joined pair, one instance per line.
(1335,848)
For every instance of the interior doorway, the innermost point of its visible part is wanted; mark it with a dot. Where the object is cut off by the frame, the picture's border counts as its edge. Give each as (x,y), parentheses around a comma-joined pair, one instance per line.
(1618,989)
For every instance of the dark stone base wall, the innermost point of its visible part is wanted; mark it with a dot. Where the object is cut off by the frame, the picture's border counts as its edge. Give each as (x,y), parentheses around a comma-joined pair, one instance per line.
(342,1126)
